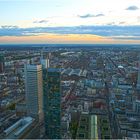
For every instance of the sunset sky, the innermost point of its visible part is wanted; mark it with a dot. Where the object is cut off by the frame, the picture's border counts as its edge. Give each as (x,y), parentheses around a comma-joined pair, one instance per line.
(70,21)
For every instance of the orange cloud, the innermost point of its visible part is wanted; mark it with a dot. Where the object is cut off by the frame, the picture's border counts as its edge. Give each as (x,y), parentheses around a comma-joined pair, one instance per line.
(60,38)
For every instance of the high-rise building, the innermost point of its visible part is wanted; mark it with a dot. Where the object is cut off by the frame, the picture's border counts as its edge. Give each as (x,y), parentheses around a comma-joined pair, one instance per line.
(34,90)
(138,81)
(1,63)
(100,62)
(52,102)
(45,63)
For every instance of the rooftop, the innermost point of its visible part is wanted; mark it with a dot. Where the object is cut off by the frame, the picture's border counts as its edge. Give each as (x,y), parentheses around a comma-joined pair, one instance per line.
(18,128)
(54,70)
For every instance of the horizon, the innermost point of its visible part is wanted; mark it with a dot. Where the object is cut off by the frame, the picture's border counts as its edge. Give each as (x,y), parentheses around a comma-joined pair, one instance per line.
(69,45)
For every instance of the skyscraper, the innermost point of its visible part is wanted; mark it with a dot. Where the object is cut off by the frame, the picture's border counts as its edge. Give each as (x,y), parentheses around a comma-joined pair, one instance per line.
(138,80)
(1,63)
(52,102)
(34,90)
(45,63)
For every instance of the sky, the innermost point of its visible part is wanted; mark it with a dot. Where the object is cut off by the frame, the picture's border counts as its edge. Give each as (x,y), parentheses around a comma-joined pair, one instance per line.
(70,21)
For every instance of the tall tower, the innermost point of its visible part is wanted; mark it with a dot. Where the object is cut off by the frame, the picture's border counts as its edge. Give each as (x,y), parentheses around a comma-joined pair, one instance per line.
(1,63)
(138,80)
(44,61)
(34,90)
(52,102)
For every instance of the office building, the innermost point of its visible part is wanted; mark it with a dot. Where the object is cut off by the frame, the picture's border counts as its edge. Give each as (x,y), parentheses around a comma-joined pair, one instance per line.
(104,127)
(87,128)
(138,80)
(34,90)
(52,101)
(1,63)
(136,106)
(21,109)
(45,63)
(19,129)
(100,62)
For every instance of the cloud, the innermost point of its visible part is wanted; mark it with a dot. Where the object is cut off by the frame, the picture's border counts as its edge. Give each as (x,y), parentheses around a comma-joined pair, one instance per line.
(138,18)
(40,21)
(99,15)
(8,26)
(122,22)
(106,31)
(132,8)
(116,23)
(86,16)
(126,37)
(111,23)
(90,15)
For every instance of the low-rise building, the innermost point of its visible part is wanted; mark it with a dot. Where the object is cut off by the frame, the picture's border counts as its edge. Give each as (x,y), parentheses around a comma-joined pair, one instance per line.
(87,128)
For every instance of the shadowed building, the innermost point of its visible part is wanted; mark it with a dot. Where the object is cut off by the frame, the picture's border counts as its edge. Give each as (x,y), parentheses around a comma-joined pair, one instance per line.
(138,80)
(52,101)
(1,63)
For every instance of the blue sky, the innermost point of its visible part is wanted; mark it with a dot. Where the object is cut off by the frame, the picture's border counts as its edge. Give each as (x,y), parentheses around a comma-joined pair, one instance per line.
(112,20)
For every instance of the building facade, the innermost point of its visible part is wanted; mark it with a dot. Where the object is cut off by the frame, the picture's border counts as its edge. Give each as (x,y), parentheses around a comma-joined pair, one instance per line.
(1,63)
(34,90)
(138,81)
(136,106)
(87,127)
(52,102)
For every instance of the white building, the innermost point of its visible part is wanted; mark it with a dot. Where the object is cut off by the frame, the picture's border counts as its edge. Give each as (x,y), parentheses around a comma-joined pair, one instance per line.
(34,90)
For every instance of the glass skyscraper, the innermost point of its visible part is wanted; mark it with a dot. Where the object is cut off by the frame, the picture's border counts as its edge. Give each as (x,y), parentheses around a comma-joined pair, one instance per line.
(138,79)
(52,102)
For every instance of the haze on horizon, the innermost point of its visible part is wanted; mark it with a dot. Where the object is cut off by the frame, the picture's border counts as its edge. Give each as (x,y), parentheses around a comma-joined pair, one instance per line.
(70,21)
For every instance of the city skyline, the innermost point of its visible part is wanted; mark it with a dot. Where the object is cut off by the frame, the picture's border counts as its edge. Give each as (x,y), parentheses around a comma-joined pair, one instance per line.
(80,92)
(64,22)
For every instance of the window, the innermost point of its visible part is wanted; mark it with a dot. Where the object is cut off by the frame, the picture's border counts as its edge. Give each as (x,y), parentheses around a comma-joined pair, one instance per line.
(104,121)
(106,137)
(84,120)
(83,127)
(106,129)
(81,135)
